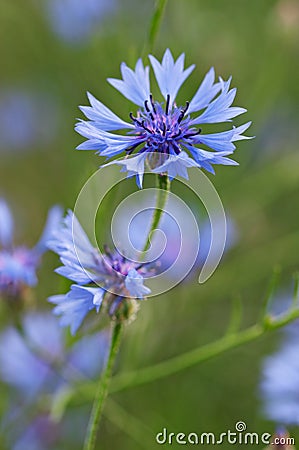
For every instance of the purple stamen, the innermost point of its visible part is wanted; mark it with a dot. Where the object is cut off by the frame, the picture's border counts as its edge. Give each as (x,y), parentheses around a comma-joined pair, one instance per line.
(152,103)
(183,112)
(194,133)
(167,104)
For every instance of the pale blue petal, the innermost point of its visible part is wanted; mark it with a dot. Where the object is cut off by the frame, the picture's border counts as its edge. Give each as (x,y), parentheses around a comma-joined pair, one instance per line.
(134,284)
(98,297)
(135,85)
(75,305)
(220,110)
(93,134)
(88,130)
(134,166)
(116,143)
(105,119)
(170,75)
(222,141)
(69,234)
(217,141)
(53,221)
(80,276)
(205,93)
(83,262)
(92,144)
(238,136)
(202,157)
(176,165)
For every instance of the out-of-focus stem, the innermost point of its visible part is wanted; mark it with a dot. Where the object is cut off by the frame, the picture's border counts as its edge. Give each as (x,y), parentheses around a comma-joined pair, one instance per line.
(94,420)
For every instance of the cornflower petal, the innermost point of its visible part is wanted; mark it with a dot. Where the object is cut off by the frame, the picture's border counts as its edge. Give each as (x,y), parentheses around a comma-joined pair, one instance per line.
(220,109)
(75,305)
(176,165)
(134,284)
(170,75)
(134,166)
(104,118)
(52,223)
(135,85)
(205,93)
(85,265)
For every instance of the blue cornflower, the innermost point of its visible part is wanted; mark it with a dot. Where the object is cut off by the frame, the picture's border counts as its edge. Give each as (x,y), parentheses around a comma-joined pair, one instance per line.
(280,380)
(18,265)
(164,137)
(100,279)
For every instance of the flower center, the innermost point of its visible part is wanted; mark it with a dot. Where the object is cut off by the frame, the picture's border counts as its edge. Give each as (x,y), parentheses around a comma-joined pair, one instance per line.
(117,263)
(162,130)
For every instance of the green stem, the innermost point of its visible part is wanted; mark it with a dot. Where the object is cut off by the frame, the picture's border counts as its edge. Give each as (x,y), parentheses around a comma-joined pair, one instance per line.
(163,186)
(201,354)
(193,357)
(92,429)
(154,26)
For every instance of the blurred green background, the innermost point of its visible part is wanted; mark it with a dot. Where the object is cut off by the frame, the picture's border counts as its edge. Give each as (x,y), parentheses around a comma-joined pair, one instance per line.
(258,43)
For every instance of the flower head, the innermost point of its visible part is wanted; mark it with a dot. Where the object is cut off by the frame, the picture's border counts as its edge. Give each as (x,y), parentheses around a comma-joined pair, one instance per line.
(18,265)
(164,136)
(101,279)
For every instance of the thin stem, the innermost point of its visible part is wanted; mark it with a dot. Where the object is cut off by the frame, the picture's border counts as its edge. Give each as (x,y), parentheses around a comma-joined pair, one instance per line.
(163,185)
(193,357)
(154,27)
(94,420)
(201,354)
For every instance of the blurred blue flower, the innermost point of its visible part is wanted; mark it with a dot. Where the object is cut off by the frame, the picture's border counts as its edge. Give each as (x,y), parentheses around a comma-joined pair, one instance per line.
(119,277)
(164,136)
(280,380)
(179,239)
(18,265)
(26,119)
(26,361)
(74,21)
(38,361)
